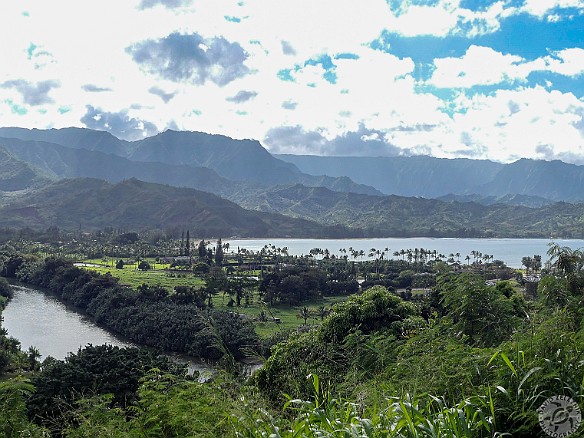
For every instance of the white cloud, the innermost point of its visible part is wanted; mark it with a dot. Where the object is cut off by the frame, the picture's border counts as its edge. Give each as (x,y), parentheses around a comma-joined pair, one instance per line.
(375,98)
(516,123)
(485,66)
(567,62)
(425,20)
(312,27)
(442,18)
(479,66)
(541,8)
(447,17)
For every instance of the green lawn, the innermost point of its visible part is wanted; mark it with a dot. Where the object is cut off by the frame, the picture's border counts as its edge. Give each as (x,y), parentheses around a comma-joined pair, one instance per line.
(288,315)
(131,276)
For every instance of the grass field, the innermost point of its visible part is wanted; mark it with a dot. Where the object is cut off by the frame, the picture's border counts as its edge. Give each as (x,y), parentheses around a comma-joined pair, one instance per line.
(130,275)
(287,315)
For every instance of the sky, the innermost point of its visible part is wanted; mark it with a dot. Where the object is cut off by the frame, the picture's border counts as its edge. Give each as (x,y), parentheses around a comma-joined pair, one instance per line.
(481,79)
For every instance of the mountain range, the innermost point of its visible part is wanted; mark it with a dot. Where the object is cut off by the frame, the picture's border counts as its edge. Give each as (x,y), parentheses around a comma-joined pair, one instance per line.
(93,204)
(235,160)
(431,177)
(398,216)
(73,178)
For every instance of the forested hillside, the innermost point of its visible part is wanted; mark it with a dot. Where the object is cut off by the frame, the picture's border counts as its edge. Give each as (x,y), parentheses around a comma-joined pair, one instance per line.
(170,153)
(92,204)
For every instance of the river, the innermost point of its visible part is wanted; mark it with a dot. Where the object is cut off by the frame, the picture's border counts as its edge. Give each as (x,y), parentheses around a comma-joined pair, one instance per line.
(41,320)
(511,251)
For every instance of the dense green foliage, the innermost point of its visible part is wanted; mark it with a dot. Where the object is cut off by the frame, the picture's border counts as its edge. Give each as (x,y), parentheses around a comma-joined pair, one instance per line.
(97,204)
(150,317)
(18,175)
(310,212)
(483,314)
(398,216)
(335,346)
(93,370)
(469,359)
(296,284)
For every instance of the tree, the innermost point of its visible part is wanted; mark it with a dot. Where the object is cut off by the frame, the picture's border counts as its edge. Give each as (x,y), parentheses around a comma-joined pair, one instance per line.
(144,266)
(478,311)
(188,295)
(120,264)
(553,291)
(103,369)
(291,289)
(375,309)
(219,253)
(33,355)
(5,288)
(202,249)
(13,421)
(528,263)
(569,264)
(215,282)
(182,243)
(237,287)
(188,245)
(304,314)
(536,263)
(564,259)
(322,312)
(151,292)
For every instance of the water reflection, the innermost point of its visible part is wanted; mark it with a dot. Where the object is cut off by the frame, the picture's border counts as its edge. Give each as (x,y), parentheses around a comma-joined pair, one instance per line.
(40,320)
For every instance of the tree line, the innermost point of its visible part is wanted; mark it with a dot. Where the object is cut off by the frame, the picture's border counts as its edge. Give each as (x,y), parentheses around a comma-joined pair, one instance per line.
(151,316)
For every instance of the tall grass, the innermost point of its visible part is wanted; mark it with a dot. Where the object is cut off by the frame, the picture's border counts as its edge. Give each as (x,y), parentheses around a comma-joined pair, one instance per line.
(407,416)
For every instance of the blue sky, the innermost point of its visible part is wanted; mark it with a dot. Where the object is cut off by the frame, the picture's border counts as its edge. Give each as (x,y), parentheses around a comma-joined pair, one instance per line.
(498,80)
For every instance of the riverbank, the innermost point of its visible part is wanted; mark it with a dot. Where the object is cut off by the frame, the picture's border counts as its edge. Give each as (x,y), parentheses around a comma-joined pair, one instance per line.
(38,319)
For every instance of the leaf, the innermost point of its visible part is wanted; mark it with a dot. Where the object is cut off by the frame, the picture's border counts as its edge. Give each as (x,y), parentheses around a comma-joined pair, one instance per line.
(509,364)
(527,376)
(503,390)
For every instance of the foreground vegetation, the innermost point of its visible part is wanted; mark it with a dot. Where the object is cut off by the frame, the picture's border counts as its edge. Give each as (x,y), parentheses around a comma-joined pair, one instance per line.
(463,359)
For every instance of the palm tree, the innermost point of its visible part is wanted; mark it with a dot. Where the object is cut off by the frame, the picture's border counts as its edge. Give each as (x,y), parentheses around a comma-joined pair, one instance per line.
(304,314)
(322,312)
(33,356)
(565,259)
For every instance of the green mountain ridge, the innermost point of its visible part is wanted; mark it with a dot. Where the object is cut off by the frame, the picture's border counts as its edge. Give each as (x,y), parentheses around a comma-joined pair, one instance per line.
(479,180)
(349,209)
(17,175)
(317,212)
(424,176)
(241,161)
(520,200)
(395,216)
(91,204)
(76,138)
(60,162)
(553,180)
